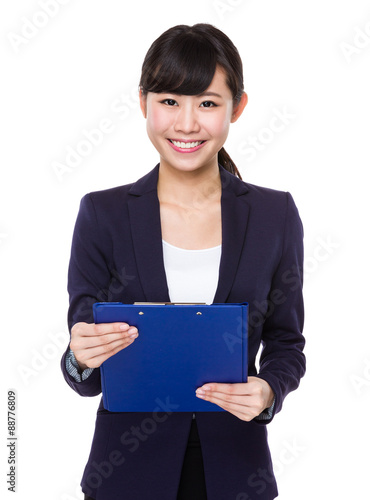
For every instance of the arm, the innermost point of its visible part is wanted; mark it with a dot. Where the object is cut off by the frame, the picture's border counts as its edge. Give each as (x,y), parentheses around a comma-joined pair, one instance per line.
(88,282)
(282,362)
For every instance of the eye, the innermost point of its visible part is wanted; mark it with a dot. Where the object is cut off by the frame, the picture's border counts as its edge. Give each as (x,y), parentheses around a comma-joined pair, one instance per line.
(169,102)
(208,104)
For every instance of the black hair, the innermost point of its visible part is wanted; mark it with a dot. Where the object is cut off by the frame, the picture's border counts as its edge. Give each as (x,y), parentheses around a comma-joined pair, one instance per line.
(183,61)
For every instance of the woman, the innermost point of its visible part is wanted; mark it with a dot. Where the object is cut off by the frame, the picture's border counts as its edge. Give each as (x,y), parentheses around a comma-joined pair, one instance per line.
(188,231)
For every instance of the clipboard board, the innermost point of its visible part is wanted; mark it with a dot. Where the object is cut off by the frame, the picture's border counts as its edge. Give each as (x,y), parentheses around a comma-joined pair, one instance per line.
(180,347)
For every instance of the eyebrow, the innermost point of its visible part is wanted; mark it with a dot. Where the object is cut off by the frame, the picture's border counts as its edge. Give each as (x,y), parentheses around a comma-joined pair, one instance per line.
(208,93)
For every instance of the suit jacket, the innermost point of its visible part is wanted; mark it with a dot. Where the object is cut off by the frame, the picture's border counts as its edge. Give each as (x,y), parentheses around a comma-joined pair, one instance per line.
(117,256)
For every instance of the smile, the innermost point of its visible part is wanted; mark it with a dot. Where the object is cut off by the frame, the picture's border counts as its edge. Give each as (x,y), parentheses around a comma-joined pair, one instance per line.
(186,147)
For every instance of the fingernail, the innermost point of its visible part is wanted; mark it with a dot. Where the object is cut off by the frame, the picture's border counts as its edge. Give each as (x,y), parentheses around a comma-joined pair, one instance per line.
(132,330)
(200,392)
(133,336)
(123,327)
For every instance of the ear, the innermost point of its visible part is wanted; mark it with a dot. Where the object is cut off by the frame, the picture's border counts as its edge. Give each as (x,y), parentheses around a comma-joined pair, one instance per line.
(142,99)
(239,108)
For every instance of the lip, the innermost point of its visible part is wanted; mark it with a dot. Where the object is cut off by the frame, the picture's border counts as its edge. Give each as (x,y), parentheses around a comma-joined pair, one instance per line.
(189,150)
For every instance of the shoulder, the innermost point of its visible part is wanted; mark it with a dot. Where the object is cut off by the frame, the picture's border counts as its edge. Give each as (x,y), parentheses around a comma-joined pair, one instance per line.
(252,193)
(264,193)
(271,207)
(104,208)
(268,198)
(115,197)
(112,195)
(106,200)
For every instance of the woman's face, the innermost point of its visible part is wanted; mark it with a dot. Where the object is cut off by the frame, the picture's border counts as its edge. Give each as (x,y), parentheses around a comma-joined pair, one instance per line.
(188,131)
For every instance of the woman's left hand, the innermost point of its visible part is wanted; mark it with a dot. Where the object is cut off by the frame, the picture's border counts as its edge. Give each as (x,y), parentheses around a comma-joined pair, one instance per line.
(245,400)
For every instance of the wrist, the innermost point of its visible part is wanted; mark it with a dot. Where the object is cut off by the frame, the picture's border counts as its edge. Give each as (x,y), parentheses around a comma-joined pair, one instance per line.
(271,398)
(82,366)
(269,394)
(78,364)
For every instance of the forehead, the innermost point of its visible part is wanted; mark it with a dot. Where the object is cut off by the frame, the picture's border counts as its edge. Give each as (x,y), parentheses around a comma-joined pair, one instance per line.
(219,82)
(218,86)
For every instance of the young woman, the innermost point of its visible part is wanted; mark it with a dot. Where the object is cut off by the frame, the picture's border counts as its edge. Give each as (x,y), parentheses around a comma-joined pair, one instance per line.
(190,230)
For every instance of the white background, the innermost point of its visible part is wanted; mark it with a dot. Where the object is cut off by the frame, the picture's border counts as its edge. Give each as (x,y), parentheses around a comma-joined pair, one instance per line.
(311,59)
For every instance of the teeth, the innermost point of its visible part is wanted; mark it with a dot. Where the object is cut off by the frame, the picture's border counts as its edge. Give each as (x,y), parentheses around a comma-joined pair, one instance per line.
(186,145)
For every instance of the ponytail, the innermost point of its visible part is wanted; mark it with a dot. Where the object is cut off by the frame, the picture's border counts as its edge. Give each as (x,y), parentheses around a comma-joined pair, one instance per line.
(226,162)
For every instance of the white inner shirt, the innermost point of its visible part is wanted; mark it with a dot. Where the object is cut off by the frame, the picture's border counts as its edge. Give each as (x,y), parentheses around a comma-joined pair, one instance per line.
(192,275)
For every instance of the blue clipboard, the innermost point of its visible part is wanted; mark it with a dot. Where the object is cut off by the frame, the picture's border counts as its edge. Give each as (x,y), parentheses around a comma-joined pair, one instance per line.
(180,347)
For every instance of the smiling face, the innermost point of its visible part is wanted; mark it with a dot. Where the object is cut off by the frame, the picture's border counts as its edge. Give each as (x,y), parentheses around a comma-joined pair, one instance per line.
(188,131)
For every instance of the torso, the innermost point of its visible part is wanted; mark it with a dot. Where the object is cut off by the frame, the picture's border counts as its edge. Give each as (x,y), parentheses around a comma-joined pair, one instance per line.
(195,228)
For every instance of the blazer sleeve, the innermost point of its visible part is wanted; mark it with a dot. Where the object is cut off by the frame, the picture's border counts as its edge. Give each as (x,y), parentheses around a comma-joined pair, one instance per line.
(88,280)
(282,362)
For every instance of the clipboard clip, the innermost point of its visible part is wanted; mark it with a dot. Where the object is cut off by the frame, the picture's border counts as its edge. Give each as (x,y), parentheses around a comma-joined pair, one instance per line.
(171,303)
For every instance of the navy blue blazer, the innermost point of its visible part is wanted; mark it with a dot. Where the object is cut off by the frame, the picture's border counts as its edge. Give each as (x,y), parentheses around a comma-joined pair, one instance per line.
(117,256)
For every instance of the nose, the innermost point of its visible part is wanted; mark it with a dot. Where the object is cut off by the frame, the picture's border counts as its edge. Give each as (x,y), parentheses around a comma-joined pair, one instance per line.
(186,120)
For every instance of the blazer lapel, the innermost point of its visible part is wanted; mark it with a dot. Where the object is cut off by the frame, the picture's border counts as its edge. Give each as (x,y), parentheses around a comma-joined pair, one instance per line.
(145,223)
(234,213)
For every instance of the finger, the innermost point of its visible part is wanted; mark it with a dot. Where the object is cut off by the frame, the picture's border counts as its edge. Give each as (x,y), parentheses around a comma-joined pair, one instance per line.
(80,343)
(106,350)
(240,410)
(253,401)
(104,328)
(226,399)
(241,389)
(96,329)
(248,401)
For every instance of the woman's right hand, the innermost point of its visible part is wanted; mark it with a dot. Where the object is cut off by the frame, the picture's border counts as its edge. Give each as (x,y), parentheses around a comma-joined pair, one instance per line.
(93,343)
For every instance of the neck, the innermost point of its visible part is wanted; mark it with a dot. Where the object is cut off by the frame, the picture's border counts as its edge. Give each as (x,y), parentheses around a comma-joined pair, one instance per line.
(189,188)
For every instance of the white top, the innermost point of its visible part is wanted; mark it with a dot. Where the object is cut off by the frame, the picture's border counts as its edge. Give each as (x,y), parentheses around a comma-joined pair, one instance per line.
(192,275)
